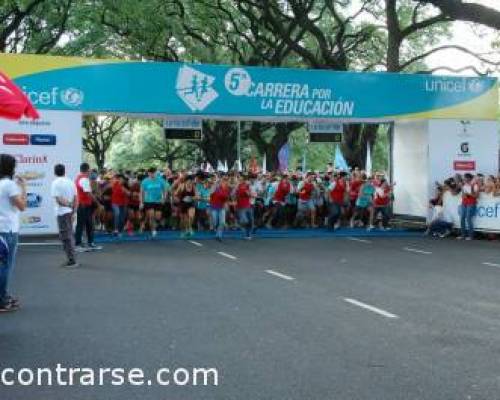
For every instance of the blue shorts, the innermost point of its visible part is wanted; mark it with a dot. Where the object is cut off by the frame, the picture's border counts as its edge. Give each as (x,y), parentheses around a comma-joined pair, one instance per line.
(307,205)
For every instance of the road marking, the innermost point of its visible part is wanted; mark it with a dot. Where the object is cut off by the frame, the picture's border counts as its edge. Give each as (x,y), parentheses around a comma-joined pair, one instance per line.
(40,244)
(227,255)
(196,243)
(370,308)
(280,275)
(412,250)
(491,264)
(355,239)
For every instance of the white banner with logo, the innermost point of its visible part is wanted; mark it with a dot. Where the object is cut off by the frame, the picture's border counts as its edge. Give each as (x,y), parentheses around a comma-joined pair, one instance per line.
(461,146)
(38,146)
(487,213)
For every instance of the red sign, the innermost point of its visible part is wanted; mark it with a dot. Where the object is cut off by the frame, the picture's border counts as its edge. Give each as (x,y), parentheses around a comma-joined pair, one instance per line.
(464,165)
(16,139)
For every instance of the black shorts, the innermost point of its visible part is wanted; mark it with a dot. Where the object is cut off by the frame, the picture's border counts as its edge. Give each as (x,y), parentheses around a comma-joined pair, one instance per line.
(133,207)
(153,206)
(107,206)
(185,207)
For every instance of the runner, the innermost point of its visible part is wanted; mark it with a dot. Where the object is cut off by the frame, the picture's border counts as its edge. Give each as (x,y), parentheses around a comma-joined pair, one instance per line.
(119,203)
(364,203)
(337,190)
(244,198)
(382,200)
(306,204)
(202,202)
(186,194)
(218,203)
(153,192)
(63,191)
(277,214)
(134,202)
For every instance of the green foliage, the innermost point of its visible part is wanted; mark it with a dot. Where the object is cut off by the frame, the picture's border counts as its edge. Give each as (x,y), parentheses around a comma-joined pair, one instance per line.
(144,145)
(333,34)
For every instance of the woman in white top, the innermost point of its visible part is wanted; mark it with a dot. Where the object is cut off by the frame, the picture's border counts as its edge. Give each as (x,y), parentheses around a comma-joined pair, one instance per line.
(12,201)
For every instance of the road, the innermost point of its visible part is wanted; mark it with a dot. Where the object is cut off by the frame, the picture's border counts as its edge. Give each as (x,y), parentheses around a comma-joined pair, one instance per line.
(333,318)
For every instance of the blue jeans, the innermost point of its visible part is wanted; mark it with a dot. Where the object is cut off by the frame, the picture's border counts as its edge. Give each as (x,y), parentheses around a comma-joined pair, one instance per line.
(245,218)
(466,215)
(218,220)
(440,226)
(119,217)
(334,213)
(6,267)
(384,210)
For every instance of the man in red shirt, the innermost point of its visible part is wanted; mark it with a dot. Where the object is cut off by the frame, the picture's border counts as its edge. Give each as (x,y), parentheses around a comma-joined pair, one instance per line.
(279,201)
(306,203)
(337,191)
(382,200)
(218,202)
(244,208)
(119,202)
(84,213)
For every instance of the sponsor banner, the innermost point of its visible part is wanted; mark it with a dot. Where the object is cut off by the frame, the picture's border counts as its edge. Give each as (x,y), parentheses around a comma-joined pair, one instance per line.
(59,83)
(15,139)
(460,146)
(464,165)
(54,138)
(487,212)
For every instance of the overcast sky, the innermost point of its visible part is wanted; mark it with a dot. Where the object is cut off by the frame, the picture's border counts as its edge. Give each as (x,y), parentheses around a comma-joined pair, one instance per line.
(467,35)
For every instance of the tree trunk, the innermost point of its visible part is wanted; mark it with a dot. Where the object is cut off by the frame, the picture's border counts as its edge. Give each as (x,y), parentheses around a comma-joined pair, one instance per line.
(354,143)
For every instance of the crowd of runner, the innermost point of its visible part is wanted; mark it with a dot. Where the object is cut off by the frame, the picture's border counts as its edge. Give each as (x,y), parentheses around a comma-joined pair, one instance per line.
(128,202)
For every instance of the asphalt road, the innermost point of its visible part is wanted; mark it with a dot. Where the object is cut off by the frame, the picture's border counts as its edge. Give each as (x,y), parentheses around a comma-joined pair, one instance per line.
(318,319)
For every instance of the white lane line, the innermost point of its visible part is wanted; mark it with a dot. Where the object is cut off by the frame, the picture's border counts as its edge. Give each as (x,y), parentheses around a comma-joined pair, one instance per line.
(355,239)
(280,275)
(40,244)
(412,250)
(227,255)
(196,243)
(370,308)
(491,264)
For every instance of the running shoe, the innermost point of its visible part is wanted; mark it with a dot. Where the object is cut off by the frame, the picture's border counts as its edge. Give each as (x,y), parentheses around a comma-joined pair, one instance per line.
(70,265)
(8,307)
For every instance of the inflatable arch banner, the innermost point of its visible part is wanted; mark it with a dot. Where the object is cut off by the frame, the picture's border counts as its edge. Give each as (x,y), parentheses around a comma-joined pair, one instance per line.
(228,92)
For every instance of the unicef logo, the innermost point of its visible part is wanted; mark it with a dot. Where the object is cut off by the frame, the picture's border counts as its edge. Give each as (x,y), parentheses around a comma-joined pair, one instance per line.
(475,85)
(72,97)
(238,81)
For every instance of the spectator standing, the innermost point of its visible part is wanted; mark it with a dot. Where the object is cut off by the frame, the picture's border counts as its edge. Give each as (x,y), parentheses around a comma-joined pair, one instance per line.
(470,193)
(12,201)
(63,191)
(84,214)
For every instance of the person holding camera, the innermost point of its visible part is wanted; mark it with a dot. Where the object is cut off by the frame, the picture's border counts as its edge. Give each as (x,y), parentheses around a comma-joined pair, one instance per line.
(12,202)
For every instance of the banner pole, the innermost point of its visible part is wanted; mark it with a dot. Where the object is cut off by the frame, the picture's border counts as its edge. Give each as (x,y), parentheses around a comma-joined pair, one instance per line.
(239,143)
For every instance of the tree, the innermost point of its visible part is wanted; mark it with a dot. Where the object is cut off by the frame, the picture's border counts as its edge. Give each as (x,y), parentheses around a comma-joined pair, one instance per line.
(219,142)
(99,135)
(34,26)
(144,145)
(467,11)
